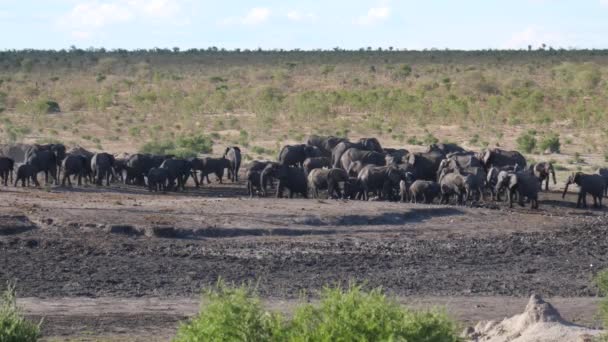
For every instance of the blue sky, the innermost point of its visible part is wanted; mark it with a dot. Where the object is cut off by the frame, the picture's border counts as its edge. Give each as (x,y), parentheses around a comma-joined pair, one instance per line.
(411,24)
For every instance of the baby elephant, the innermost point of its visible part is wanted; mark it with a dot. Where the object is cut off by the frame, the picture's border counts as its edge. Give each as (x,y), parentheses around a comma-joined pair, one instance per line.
(26,172)
(157,179)
(593,184)
(422,191)
(254,182)
(321,179)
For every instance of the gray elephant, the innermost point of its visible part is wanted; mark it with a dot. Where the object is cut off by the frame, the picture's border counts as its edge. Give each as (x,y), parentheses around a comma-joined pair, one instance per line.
(445,148)
(473,178)
(422,191)
(325,144)
(588,184)
(138,166)
(604,173)
(365,157)
(44,161)
(294,155)
(79,151)
(258,165)
(316,163)
(74,165)
(292,179)
(424,165)
(338,151)
(499,158)
(395,156)
(268,175)
(523,184)
(380,180)
(178,170)
(102,165)
(404,186)
(322,179)
(356,167)
(233,155)
(209,165)
(352,189)
(7,166)
(371,144)
(25,173)
(543,171)
(492,178)
(253,182)
(157,179)
(452,183)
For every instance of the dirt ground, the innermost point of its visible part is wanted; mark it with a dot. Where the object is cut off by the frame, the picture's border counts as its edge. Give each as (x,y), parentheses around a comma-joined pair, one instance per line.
(121,263)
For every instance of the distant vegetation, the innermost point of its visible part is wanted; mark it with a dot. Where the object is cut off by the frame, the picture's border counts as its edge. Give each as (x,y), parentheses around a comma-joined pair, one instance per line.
(158,95)
(236,314)
(13,326)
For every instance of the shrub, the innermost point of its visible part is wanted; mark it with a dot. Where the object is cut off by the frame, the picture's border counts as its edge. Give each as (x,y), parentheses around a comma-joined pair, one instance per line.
(13,326)
(551,143)
(526,142)
(430,139)
(182,147)
(601,280)
(236,314)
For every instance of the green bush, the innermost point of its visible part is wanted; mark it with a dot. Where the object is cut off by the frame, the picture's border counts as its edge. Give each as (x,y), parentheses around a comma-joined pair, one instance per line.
(526,142)
(551,143)
(183,146)
(236,314)
(13,326)
(601,280)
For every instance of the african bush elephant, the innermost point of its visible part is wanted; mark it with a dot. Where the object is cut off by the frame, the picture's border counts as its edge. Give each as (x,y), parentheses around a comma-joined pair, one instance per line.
(296,154)
(365,157)
(74,165)
(26,172)
(325,144)
(315,163)
(424,165)
(371,144)
(342,147)
(379,179)
(395,156)
(452,183)
(157,179)
(177,170)
(253,182)
(356,167)
(492,178)
(207,166)
(258,165)
(7,166)
(268,175)
(542,171)
(499,158)
(445,148)
(292,179)
(233,155)
(604,173)
(404,186)
(102,165)
(321,179)
(592,184)
(424,191)
(44,161)
(138,166)
(524,184)
(352,189)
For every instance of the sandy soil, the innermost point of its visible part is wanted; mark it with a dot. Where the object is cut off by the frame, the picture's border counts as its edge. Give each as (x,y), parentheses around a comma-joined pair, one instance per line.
(81,256)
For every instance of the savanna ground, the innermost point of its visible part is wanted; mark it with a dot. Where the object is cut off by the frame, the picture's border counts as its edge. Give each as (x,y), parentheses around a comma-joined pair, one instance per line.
(121,263)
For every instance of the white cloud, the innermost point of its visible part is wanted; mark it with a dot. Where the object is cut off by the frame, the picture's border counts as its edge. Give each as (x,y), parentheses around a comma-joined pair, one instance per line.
(88,18)
(300,16)
(536,36)
(256,16)
(374,15)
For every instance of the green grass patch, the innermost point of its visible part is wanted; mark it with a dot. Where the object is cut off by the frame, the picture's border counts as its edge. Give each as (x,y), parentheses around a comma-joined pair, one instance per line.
(182,147)
(13,326)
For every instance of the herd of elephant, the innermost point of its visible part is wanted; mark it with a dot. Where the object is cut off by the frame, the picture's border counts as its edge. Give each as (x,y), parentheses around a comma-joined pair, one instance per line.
(355,170)
(358,170)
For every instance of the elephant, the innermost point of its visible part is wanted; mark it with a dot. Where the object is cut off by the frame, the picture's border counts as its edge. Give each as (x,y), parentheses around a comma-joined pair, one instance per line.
(253,182)
(445,148)
(404,186)
(138,166)
(258,165)
(492,178)
(268,175)
(424,165)
(120,166)
(371,144)
(74,165)
(20,152)
(424,191)
(452,183)
(102,165)
(178,170)
(325,144)
(379,179)
(499,158)
(44,161)
(542,171)
(356,167)
(292,179)
(26,172)
(79,151)
(395,156)
(524,184)
(338,151)
(209,165)
(157,179)
(233,155)
(291,155)
(604,173)
(366,157)
(321,179)
(7,165)
(592,184)
(465,159)
(58,150)
(316,163)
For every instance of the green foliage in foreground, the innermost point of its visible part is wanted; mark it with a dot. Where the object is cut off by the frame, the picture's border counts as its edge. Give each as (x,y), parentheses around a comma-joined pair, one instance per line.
(13,327)
(601,281)
(236,314)
(183,147)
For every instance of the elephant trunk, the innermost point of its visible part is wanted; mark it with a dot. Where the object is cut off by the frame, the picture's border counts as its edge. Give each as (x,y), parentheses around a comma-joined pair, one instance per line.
(565,190)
